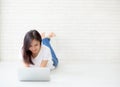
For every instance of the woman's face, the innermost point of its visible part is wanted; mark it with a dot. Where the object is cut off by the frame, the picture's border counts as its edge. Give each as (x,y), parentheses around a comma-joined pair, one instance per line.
(35,46)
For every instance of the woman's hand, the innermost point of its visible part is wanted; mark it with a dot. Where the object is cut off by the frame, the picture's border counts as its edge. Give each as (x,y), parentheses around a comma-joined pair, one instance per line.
(26,65)
(44,63)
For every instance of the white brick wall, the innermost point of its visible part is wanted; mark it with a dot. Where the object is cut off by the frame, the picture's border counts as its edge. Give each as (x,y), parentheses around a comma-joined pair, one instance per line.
(86,29)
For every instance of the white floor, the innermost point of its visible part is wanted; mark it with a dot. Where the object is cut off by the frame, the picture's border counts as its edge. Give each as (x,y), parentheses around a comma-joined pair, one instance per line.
(71,74)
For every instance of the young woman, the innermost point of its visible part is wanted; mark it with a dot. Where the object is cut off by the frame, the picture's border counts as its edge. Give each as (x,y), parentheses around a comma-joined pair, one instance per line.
(37,50)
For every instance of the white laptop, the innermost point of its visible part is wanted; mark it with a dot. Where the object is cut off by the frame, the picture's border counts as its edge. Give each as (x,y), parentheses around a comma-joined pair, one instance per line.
(34,74)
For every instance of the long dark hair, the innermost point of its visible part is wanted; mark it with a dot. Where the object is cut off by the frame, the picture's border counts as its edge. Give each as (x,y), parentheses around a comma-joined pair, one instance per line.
(30,35)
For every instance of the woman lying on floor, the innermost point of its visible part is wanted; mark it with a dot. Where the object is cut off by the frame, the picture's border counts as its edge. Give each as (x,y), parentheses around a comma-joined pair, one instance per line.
(37,50)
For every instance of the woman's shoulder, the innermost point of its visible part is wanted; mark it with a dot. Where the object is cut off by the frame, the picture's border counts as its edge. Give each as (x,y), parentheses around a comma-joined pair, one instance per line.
(44,47)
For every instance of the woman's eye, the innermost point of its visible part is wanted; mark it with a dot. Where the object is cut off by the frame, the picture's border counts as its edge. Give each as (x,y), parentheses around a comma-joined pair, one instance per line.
(36,45)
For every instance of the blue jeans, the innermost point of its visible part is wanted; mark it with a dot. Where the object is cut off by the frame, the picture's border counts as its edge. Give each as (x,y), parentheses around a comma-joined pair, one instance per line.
(46,42)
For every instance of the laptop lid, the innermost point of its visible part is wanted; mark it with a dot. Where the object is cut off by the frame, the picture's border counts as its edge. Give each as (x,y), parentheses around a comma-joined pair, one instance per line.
(34,74)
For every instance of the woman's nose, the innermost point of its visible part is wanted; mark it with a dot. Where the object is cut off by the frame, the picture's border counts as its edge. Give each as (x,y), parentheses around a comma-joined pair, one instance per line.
(33,48)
